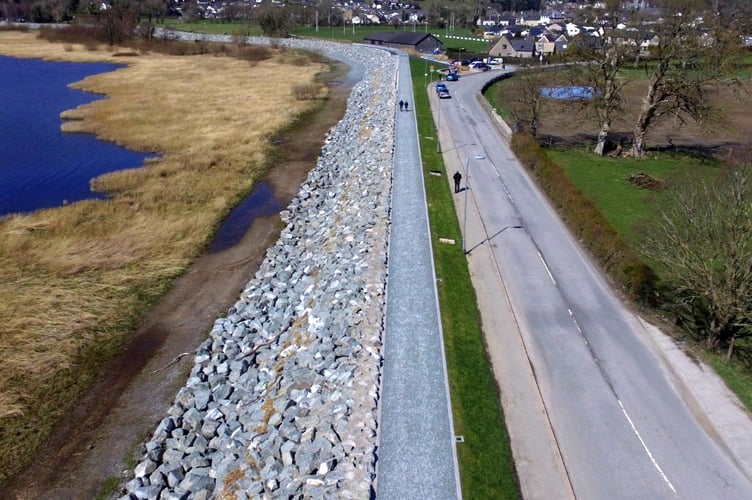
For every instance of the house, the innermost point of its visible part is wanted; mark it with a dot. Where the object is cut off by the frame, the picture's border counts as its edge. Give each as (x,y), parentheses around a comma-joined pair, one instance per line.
(536,31)
(533,19)
(650,40)
(546,44)
(513,47)
(572,30)
(561,46)
(405,40)
(513,30)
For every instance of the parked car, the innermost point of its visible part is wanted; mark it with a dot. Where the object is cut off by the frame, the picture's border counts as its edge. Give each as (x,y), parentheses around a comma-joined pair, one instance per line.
(496,61)
(480,65)
(452,77)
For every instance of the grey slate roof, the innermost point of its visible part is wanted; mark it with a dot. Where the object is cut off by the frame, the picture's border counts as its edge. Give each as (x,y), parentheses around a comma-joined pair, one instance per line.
(399,37)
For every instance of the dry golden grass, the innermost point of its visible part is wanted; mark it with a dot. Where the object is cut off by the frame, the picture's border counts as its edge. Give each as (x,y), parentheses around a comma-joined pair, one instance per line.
(74,280)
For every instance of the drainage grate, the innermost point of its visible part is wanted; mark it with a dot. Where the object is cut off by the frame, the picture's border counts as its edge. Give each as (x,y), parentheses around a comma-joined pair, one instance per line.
(459,439)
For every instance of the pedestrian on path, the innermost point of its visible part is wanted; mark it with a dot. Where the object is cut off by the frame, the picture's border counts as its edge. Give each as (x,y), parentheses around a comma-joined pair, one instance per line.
(457,180)
(405,105)
(402,105)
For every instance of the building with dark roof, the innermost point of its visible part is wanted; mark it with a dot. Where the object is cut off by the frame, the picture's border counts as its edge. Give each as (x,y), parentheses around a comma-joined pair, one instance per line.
(405,40)
(513,47)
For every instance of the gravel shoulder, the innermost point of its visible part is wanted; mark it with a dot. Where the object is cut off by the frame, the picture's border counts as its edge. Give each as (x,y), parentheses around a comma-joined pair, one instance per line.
(100,438)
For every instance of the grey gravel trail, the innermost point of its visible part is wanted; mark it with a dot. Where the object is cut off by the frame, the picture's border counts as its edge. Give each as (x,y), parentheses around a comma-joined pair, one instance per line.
(416,453)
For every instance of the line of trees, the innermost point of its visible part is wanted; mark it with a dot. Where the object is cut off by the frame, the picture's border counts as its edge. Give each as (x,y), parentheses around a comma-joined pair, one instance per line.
(696,55)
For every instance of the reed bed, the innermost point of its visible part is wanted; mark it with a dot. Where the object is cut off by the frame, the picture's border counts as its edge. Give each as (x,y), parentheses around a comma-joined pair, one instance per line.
(77,279)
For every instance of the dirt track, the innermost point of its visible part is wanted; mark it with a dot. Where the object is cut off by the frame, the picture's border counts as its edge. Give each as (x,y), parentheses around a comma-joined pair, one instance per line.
(95,442)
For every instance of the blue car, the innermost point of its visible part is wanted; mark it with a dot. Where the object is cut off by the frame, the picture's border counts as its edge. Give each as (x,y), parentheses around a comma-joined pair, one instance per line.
(452,77)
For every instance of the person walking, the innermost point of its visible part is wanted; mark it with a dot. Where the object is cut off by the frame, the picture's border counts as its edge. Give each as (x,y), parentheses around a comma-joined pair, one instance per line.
(405,105)
(402,104)
(457,180)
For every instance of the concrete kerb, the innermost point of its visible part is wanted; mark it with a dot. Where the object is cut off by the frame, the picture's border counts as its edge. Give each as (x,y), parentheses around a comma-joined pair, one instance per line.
(719,410)
(501,125)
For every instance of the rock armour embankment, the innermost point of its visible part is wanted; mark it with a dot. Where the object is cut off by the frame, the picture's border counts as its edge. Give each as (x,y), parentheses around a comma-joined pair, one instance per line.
(282,400)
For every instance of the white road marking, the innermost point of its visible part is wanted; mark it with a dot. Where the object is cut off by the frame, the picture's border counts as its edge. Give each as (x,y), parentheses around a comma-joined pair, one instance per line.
(645,447)
(547,269)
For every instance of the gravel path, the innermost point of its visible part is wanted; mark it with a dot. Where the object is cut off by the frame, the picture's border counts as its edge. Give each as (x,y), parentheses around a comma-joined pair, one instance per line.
(417,455)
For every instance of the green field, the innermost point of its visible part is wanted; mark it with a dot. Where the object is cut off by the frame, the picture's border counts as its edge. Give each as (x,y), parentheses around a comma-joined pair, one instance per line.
(214,27)
(605,181)
(347,33)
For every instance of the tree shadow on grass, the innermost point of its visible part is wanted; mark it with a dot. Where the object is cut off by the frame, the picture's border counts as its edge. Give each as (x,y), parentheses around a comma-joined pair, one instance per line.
(705,152)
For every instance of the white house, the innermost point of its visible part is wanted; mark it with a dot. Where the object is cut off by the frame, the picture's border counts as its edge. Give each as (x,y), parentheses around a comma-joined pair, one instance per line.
(572,30)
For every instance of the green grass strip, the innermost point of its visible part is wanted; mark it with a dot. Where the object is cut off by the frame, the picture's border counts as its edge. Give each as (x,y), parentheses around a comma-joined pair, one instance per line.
(485,458)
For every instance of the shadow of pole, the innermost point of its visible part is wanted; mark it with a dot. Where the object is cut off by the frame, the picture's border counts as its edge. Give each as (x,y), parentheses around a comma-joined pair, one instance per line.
(492,237)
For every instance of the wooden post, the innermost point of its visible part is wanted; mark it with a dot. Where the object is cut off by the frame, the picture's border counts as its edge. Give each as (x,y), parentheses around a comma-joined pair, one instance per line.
(730,351)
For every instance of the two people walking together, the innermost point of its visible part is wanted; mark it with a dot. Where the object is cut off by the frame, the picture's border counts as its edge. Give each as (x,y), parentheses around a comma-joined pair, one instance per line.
(403,105)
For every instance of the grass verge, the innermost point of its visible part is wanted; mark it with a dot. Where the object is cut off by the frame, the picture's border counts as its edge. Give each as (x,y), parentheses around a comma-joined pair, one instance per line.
(736,375)
(485,458)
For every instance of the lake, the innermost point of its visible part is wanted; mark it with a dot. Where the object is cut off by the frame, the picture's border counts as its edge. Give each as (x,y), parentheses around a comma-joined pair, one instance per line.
(40,166)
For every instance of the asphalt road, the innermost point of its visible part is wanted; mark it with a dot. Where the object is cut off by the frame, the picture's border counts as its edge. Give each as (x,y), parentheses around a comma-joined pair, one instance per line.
(620,424)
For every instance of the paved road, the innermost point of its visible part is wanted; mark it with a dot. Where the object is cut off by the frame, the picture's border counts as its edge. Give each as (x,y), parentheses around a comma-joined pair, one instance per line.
(615,414)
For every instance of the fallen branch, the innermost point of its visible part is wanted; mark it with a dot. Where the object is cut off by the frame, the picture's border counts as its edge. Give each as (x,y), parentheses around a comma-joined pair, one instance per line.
(255,349)
(175,360)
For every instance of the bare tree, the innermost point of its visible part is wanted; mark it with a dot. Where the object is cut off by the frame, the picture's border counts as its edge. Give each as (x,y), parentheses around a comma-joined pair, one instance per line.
(117,21)
(703,240)
(603,72)
(274,21)
(688,66)
(523,97)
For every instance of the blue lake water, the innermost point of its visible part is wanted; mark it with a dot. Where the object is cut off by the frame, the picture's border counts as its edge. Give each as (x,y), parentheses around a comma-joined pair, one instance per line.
(40,166)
